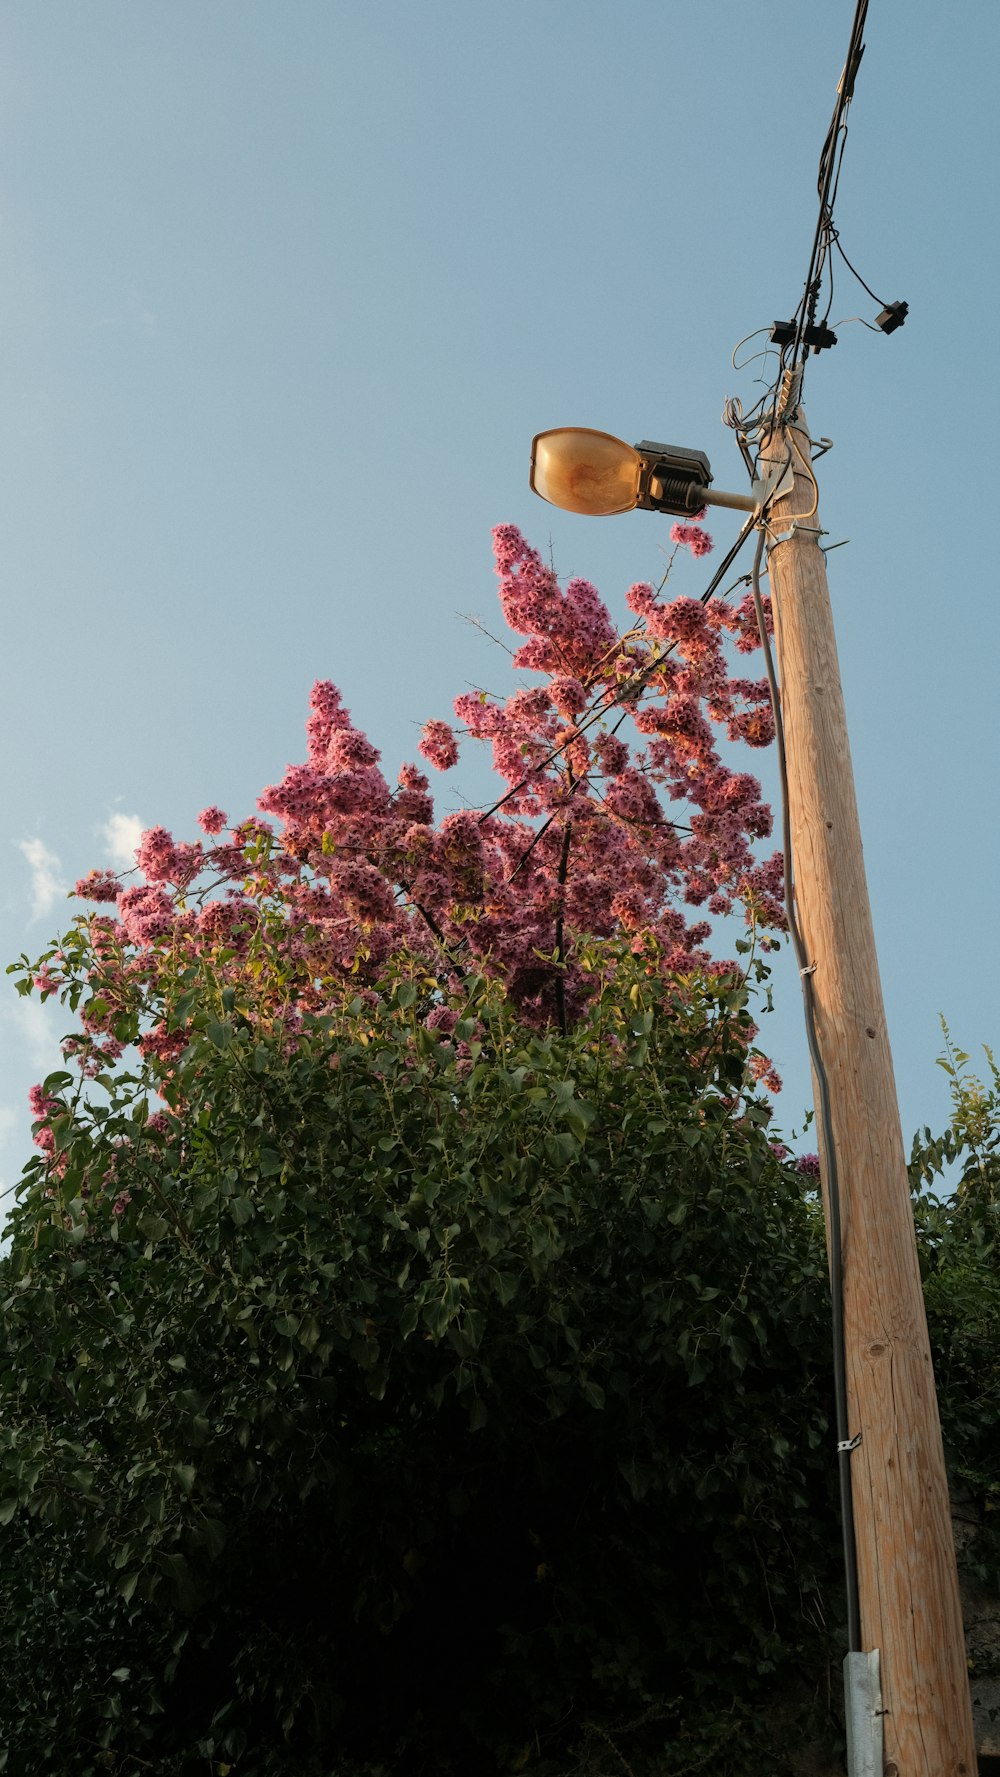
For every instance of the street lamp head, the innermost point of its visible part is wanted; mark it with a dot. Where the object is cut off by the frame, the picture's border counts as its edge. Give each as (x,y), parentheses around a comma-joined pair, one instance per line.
(585,471)
(595,473)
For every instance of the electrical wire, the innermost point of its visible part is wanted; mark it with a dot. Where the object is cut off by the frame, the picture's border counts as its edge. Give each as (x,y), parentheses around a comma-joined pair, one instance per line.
(789,519)
(744,341)
(844,1441)
(794,354)
(831,159)
(835,241)
(855,320)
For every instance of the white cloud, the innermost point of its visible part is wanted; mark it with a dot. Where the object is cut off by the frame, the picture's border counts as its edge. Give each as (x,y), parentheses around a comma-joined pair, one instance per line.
(121,835)
(47,886)
(37,1035)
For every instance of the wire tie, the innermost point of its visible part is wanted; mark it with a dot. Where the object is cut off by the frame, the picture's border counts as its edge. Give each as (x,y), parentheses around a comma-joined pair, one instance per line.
(804,530)
(810,969)
(848,1443)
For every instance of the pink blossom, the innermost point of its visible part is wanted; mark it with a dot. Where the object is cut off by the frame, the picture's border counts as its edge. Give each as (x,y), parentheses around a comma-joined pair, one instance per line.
(363,891)
(98,885)
(326,714)
(228,923)
(438,744)
(808,1165)
(155,855)
(348,749)
(443,1019)
(762,1069)
(756,727)
(568,695)
(698,541)
(228,860)
(165,1044)
(641,598)
(579,846)
(146,914)
(684,620)
(612,754)
(41,1103)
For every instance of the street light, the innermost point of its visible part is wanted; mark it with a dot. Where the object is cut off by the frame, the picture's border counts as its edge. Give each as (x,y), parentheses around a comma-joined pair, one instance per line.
(910,1608)
(597,474)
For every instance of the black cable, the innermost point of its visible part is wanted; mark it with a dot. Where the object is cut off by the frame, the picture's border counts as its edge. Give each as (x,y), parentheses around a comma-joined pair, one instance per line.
(727,560)
(844,1442)
(835,238)
(827,165)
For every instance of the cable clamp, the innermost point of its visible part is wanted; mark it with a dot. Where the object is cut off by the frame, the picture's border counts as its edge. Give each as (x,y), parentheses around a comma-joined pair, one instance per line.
(848,1443)
(810,969)
(804,530)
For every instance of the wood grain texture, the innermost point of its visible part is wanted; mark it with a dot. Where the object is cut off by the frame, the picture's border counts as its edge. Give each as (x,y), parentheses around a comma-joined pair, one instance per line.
(910,1608)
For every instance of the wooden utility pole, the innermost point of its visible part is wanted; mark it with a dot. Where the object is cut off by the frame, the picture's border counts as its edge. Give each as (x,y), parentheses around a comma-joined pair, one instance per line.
(908,1582)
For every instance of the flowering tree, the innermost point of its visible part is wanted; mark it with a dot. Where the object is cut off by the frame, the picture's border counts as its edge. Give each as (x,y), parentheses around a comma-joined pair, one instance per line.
(437,1308)
(617,821)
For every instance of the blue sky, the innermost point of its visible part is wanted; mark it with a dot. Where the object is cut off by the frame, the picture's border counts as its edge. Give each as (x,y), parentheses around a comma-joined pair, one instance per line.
(284,294)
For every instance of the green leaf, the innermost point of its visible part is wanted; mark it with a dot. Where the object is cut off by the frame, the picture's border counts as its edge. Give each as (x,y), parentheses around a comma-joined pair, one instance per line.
(154,1227)
(183,1008)
(55,1083)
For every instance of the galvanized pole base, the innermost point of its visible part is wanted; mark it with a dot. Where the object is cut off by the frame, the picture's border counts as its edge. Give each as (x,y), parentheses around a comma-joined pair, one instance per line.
(864,1714)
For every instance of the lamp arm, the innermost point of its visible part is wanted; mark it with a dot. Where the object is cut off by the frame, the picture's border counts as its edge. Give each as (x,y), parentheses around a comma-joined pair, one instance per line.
(777,483)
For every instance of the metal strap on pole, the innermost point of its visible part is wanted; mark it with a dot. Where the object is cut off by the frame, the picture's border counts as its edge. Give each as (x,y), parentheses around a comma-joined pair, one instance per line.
(864,1714)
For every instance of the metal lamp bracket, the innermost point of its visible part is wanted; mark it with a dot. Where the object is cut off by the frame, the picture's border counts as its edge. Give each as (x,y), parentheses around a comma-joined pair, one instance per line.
(781,481)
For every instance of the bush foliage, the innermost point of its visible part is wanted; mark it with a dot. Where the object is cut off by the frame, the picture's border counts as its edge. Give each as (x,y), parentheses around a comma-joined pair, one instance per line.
(428,1405)
(411,1402)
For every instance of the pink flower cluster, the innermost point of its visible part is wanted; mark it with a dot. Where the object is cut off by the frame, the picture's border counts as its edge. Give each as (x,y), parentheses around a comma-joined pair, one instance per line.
(438,744)
(98,885)
(616,818)
(698,541)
